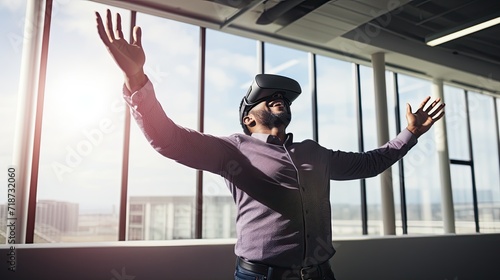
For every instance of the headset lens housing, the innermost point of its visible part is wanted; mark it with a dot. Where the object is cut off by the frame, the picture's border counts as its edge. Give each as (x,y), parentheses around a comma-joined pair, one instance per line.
(264,87)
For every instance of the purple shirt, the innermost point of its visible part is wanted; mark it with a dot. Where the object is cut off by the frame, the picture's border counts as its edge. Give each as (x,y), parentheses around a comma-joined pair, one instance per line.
(281,191)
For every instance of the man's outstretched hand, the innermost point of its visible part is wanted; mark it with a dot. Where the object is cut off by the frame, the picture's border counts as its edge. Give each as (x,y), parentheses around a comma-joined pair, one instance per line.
(423,119)
(130,57)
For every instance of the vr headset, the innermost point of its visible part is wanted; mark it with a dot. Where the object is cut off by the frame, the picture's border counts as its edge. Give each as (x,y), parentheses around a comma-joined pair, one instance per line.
(264,87)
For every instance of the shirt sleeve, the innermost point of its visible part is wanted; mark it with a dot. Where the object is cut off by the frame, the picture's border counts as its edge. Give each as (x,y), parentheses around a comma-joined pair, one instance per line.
(350,165)
(184,145)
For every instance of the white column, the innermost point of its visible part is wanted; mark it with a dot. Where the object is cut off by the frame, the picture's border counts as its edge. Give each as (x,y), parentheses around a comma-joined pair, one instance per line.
(388,214)
(444,164)
(25,118)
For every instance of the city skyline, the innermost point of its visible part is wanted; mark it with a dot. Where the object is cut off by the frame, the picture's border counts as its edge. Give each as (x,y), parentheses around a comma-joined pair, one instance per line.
(172,217)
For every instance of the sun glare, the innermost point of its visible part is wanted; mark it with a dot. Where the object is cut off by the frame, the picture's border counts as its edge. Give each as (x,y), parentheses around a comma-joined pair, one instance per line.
(78,103)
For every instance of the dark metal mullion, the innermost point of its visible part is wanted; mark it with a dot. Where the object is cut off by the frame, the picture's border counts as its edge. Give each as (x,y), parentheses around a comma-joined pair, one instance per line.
(260,57)
(122,217)
(471,154)
(314,95)
(201,117)
(496,127)
(35,164)
(402,188)
(461,162)
(361,148)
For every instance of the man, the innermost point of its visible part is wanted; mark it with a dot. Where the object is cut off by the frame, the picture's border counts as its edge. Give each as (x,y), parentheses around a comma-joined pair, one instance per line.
(281,188)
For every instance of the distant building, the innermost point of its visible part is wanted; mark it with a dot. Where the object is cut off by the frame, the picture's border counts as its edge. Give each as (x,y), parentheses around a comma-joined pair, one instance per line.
(219,217)
(3,213)
(172,217)
(59,215)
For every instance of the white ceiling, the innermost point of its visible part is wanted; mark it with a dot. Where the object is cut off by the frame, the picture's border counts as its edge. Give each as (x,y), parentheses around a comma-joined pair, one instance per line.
(350,30)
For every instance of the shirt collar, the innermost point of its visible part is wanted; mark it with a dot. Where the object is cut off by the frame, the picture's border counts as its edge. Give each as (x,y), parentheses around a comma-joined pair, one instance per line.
(268,138)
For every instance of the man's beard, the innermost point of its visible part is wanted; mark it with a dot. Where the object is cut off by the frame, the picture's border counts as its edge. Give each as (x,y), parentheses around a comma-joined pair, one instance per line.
(271,120)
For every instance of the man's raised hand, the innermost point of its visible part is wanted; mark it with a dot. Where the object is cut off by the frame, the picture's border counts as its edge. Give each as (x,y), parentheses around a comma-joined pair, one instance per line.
(423,119)
(130,57)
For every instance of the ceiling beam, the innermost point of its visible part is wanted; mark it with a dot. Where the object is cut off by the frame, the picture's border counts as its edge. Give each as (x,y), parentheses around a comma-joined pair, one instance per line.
(241,12)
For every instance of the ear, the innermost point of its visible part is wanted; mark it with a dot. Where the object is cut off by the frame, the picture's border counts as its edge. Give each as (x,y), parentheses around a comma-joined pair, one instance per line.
(249,120)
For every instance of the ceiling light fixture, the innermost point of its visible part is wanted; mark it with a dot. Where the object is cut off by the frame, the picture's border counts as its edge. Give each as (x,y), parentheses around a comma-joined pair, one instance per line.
(462,30)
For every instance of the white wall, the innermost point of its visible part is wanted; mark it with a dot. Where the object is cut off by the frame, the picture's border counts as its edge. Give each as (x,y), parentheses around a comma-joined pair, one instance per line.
(451,257)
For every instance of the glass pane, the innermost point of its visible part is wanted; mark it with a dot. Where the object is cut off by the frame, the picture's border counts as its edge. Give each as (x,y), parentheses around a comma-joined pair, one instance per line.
(12,20)
(395,176)
(456,123)
(161,187)
(486,167)
(461,180)
(294,64)
(81,151)
(337,130)
(423,193)
(370,142)
(226,84)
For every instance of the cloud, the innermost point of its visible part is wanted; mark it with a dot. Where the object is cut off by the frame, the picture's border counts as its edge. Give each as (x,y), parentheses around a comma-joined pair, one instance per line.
(12,5)
(167,37)
(219,78)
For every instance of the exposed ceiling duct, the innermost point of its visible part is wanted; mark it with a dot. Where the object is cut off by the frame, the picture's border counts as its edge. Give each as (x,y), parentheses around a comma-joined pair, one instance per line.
(282,12)
(285,16)
(272,14)
(238,4)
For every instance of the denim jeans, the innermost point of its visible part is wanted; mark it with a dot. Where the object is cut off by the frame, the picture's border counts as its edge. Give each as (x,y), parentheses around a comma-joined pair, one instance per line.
(243,274)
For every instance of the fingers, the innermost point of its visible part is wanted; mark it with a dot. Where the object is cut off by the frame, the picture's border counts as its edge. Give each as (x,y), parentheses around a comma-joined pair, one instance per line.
(100,29)
(434,103)
(422,105)
(435,113)
(432,106)
(438,112)
(137,33)
(435,110)
(435,119)
(118,30)
(431,110)
(108,35)
(109,26)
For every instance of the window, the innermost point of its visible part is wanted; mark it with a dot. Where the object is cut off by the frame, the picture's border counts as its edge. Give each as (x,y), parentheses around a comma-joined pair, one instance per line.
(456,124)
(231,65)
(173,70)
(472,139)
(82,128)
(486,167)
(12,14)
(423,193)
(463,204)
(294,64)
(136,208)
(136,219)
(370,142)
(457,127)
(337,130)
(135,234)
